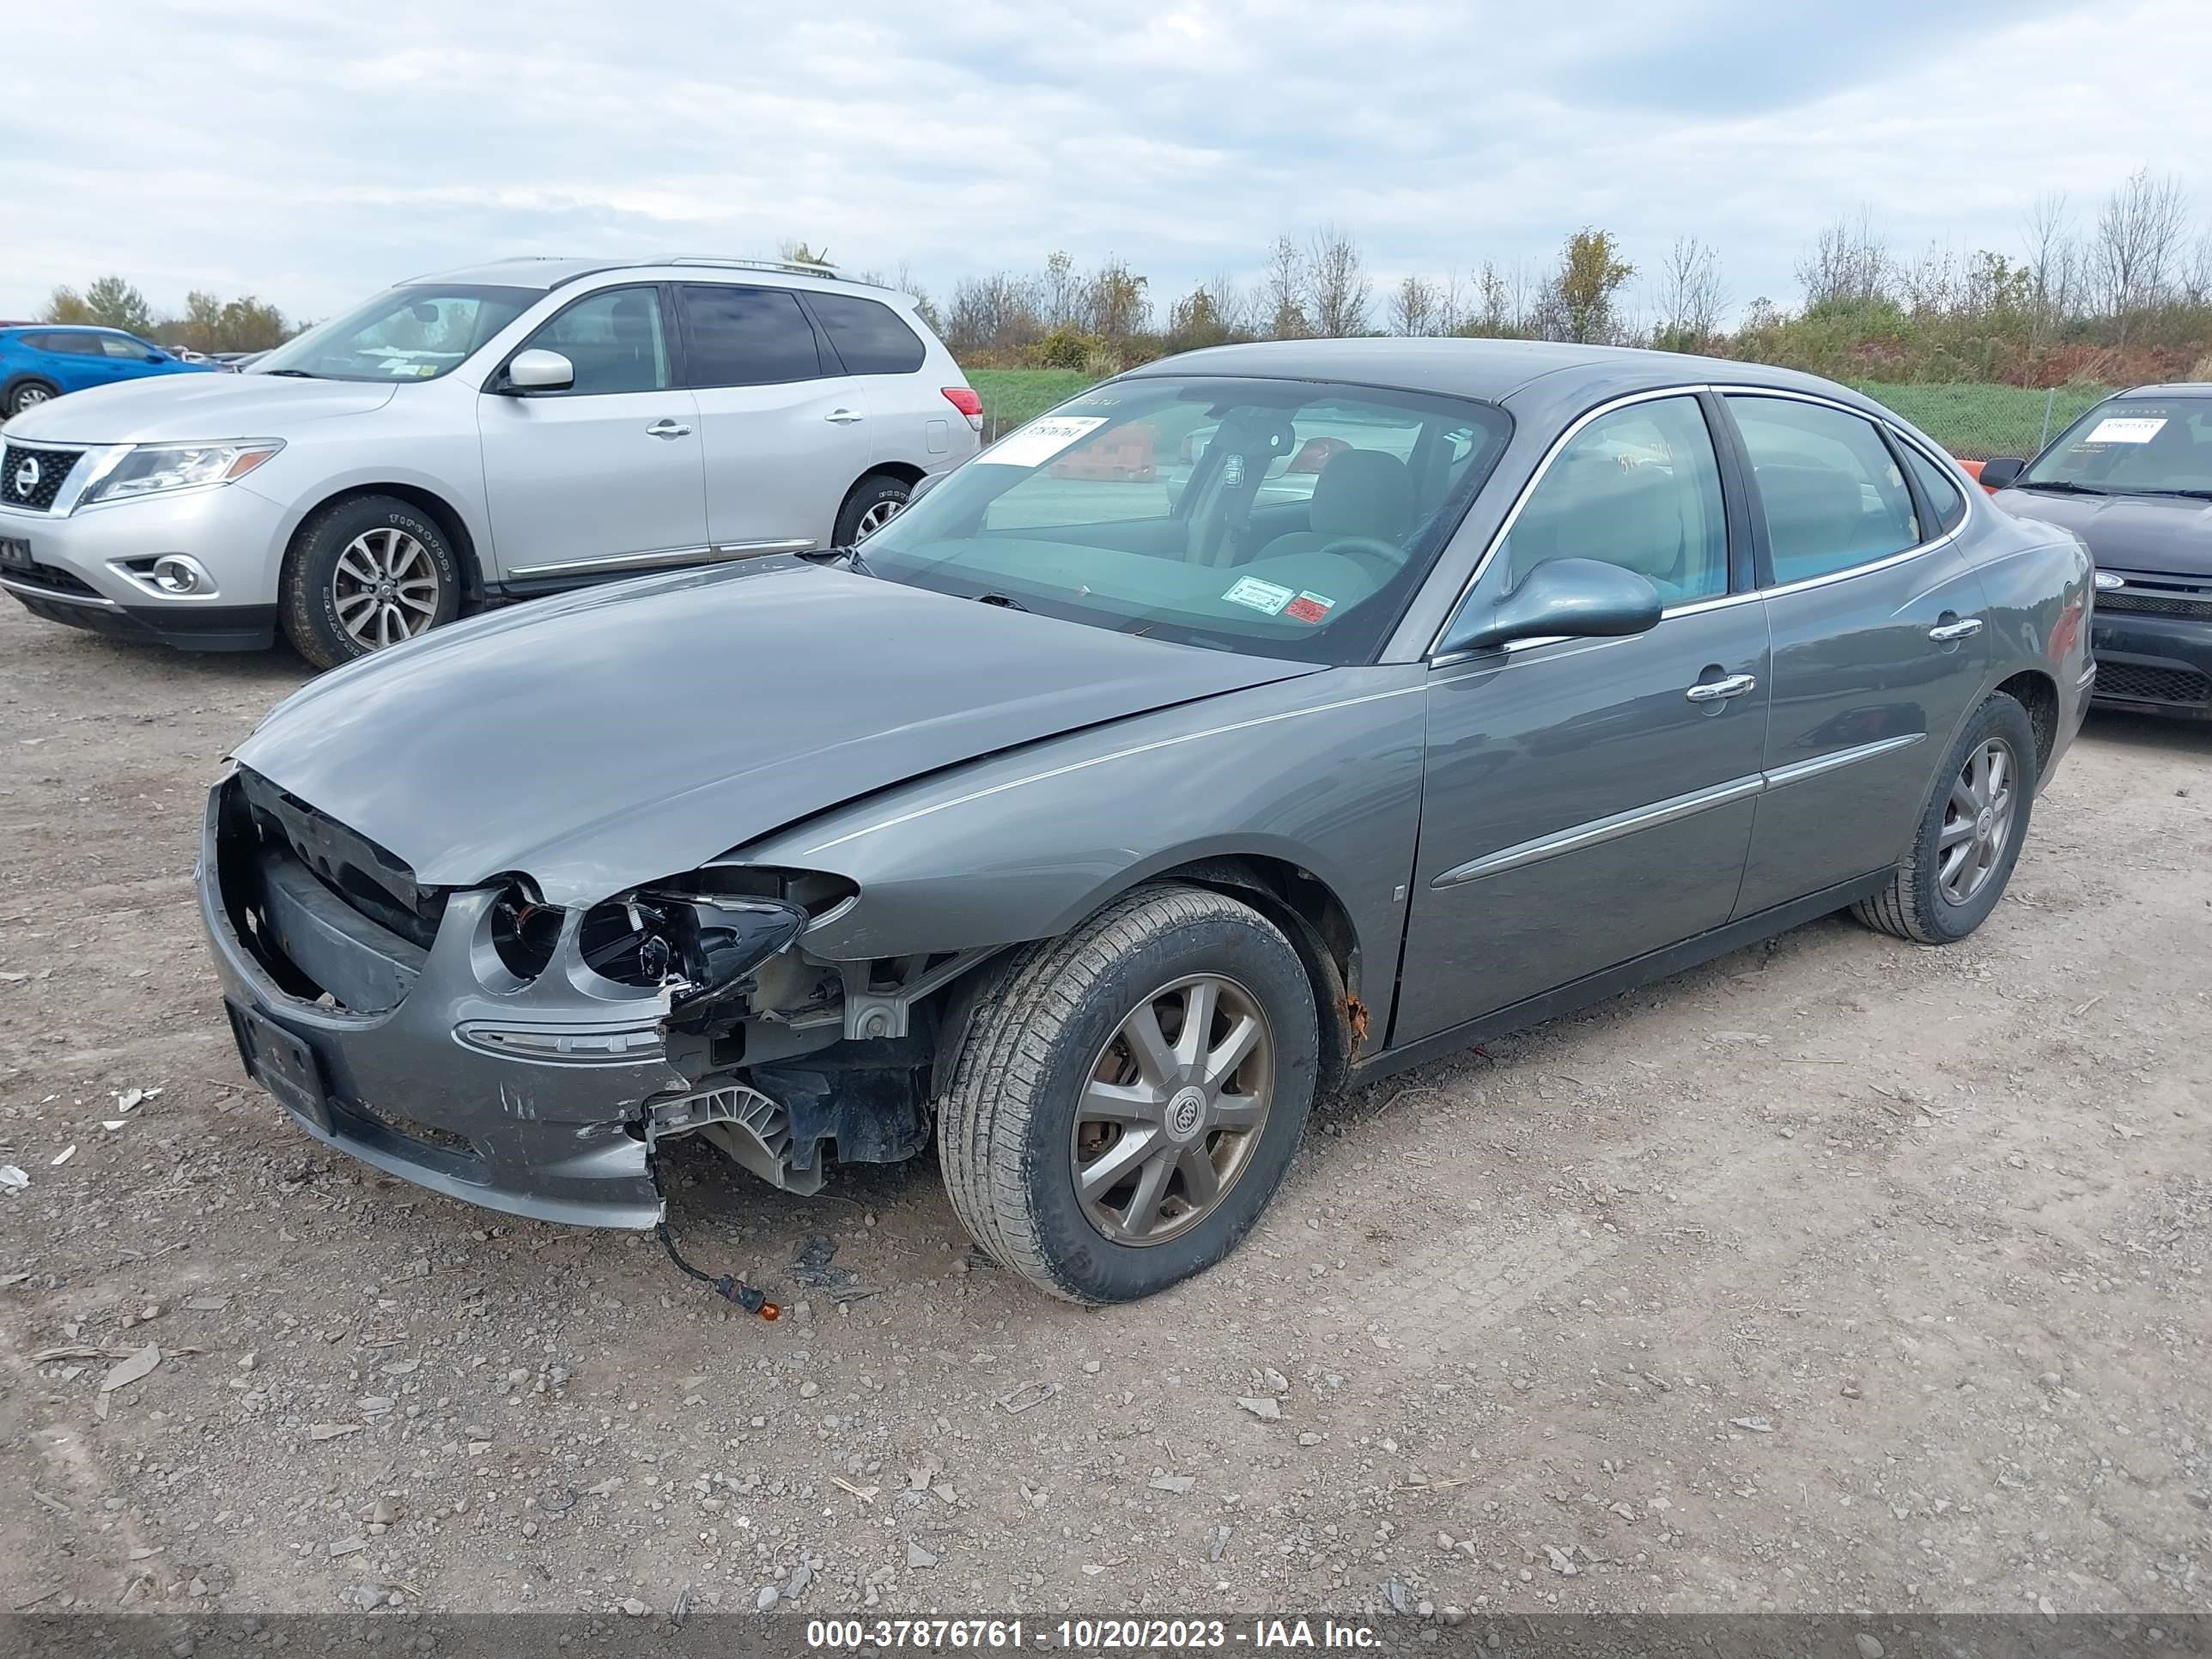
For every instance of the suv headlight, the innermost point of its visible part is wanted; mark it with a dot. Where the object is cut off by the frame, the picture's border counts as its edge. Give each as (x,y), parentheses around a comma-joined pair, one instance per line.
(150,469)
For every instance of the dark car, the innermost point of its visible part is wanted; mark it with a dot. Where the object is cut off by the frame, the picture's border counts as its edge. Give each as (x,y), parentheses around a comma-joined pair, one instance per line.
(1096,823)
(2133,479)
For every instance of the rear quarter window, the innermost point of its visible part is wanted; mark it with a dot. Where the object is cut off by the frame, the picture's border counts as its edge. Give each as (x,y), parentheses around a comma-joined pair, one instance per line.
(869,336)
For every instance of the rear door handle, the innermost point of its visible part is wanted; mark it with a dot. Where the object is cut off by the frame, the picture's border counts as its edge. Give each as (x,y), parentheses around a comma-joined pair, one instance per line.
(666,429)
(1965,629)
(1714,690)
(844,416)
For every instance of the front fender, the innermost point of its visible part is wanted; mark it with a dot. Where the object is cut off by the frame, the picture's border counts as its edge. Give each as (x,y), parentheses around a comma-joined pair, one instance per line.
(1322,774)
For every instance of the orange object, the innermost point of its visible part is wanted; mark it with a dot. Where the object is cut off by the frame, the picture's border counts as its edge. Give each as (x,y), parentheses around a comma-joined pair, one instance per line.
(1314,454)
(1973,470)
(1125,455)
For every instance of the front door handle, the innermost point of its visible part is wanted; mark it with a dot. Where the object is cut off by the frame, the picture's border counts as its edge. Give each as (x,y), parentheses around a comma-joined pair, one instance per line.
(667,428)
(1965,629)
(1714,690)
(844,416)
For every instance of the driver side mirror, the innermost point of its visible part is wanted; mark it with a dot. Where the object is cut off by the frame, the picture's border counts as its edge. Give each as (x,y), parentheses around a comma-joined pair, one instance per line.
(1997,475)
(157,356)
(539,371)
(1572,598)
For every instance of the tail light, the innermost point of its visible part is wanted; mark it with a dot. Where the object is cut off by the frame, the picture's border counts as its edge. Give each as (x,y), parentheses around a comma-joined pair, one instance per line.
(967,404)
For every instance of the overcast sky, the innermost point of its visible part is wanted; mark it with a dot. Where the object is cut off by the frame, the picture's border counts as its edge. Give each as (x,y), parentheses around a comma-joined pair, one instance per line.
(311,151)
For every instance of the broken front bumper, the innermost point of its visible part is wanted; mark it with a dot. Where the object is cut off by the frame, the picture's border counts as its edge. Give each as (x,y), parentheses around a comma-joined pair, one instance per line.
(529,1100)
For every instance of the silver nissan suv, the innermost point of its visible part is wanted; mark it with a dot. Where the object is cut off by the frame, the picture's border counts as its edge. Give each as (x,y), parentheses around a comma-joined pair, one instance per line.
(486,434)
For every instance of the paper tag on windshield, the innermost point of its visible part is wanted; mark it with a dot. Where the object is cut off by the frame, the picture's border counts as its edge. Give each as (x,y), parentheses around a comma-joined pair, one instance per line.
(1309,607)
(2126,429)
(1039,441)
(1260,596)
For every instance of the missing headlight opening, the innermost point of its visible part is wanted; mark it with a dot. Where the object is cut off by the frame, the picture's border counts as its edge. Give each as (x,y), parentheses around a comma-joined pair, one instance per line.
(703,949)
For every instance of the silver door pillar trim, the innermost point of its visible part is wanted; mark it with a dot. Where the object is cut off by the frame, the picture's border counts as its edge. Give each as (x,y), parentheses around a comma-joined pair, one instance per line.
(1598,831)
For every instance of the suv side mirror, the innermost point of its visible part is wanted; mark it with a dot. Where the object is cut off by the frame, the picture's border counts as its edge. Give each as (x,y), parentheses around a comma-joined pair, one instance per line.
(1999,475)
(539,371)
(1572,598)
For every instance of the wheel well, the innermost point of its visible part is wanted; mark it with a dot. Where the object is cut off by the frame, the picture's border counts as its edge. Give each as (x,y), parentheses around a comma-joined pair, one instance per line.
(904,471)
(438,510)
(2038,695)
(1318,926)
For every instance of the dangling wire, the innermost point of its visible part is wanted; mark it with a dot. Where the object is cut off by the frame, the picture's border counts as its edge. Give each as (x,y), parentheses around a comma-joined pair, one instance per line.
(730,1289)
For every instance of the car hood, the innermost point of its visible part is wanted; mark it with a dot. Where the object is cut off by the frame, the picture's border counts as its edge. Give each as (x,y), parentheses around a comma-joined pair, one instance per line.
(188,408)
(2161,535)
(621,735)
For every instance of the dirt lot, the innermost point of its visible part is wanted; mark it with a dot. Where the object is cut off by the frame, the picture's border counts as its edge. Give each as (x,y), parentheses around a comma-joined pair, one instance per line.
(1838,1274)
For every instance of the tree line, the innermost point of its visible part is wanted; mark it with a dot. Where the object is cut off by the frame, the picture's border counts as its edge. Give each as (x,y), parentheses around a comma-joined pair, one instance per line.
(2121,292)
(207,324)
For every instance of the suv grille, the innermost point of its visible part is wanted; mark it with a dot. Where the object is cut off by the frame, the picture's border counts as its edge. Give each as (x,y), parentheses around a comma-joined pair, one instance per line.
(2141,684)
(33,478)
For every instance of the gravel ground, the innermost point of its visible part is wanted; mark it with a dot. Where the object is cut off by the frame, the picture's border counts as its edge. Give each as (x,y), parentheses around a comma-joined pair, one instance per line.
(1838,1274)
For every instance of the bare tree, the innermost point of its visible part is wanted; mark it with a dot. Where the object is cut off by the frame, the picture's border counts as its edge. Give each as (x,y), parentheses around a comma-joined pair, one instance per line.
(1232,306)
(1451,304)
(1414,304)
(1336,284)
(1060,293)
(1281,299)
(2196,281)
(2138,242)
(2054,266)
(998,312)
(1115,302)
(1932,285)
(1848,262)
(1691,297)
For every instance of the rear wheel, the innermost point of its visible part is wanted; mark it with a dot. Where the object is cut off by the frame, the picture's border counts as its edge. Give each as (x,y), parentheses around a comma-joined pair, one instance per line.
(1128,1099)
(363,574)
(1970,832)
(875,501)
(28,394)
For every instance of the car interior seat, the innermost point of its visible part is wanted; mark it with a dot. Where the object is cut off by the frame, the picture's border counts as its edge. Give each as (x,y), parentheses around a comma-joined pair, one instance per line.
(1358,492)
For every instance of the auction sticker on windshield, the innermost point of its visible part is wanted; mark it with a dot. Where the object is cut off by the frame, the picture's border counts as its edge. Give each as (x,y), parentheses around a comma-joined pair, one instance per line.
(1260,596)
(2126,429)
(1039,441)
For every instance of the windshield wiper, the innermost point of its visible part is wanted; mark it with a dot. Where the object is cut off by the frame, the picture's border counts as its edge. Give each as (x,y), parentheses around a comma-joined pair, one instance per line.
(2191,495)
(2064,486)
(851,555)
(1004,602)
(292,374)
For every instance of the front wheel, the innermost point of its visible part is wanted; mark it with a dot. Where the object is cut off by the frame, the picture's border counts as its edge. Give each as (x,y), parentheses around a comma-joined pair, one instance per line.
(1970,832)
(1130,1097)
(364,574)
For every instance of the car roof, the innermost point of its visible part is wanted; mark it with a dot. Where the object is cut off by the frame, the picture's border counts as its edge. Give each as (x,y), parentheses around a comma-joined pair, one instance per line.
(2170,389)
(548,272)
(1532,374)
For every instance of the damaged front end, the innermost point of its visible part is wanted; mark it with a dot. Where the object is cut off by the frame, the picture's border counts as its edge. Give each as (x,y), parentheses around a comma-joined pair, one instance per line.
(530,1056)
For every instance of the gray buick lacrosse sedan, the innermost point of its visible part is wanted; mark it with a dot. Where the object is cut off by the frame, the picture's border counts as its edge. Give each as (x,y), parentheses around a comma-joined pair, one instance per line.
(1260,721)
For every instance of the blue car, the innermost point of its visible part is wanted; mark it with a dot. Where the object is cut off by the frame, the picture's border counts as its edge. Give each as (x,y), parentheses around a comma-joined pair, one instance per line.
(42,361)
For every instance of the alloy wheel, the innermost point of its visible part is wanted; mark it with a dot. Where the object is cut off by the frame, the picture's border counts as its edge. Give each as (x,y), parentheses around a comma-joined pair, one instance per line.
(385,588)
(1173,1109)
(877,516)
(1978,821)
(30,395)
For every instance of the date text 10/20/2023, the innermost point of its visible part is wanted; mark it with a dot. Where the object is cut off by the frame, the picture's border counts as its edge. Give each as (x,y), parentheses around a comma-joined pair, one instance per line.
(1136,1635)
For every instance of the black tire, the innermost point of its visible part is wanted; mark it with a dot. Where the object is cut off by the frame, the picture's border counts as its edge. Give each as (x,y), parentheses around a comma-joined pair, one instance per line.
(872,494)
(26,392)
(307,599)
(1915,905)
(1005,1128)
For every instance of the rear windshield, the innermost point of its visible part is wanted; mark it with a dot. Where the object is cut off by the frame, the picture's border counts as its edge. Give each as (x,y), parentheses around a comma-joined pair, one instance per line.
(2132,446)
(413,333)
(1283,518)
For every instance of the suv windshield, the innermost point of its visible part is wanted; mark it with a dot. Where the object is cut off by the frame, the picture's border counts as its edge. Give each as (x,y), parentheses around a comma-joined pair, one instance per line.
(414,333)
(1282,518)
(2132,446)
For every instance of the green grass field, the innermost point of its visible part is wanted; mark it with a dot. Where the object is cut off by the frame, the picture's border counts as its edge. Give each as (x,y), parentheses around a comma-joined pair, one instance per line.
(1974,420)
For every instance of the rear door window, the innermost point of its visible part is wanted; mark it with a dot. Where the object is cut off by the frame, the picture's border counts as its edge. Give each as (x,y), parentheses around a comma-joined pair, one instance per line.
(745,336)
(868,335)
(1832,492)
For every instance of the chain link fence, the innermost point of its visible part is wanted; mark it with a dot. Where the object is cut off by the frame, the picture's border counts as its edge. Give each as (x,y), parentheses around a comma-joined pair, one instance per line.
(1974,422)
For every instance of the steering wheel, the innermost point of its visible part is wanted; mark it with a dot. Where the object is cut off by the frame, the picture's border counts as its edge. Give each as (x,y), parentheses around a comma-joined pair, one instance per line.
(1380,559)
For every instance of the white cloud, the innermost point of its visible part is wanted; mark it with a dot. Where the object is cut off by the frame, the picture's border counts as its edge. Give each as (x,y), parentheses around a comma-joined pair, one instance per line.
(249,145)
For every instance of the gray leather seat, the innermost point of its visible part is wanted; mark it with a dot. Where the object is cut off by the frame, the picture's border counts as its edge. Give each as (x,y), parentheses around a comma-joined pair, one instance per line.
(1360,492)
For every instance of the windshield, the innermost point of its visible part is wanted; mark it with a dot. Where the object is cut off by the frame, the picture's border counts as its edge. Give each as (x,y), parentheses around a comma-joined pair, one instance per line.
(414,333)
(1282,518)
(2132,446)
